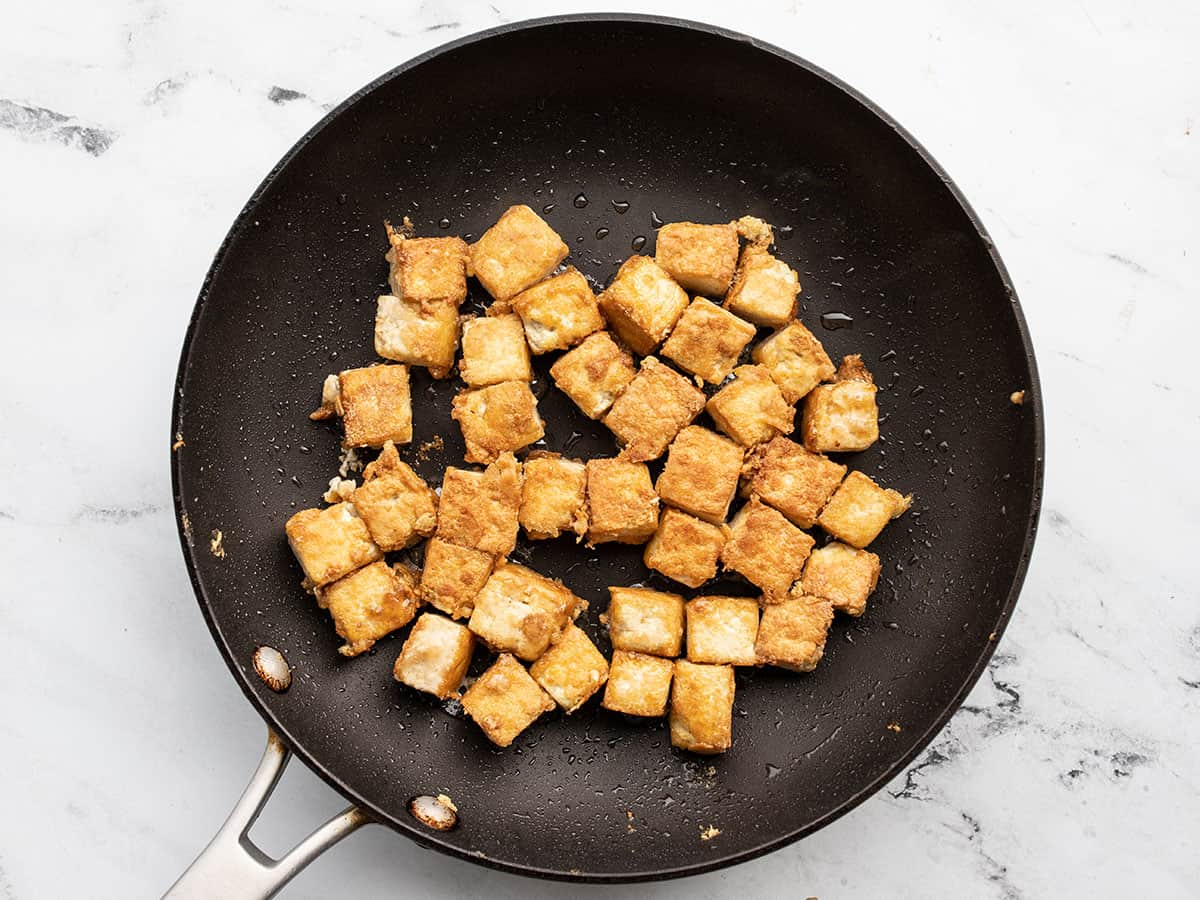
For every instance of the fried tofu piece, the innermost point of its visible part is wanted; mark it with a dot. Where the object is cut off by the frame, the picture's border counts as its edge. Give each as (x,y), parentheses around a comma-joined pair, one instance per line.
(553,496)
(722,630)
(842,575)
(707,340)
(520,612)
(453,575)
(795,359)
(684,548)
(398,507)
(496,419)
(622,505)
(515,253)
(420,333)
(764,288)
(376,406)
(571,670)
(842,417)
(655,407)
(642,304)
(505,700)
(369,603)
(594,373)
(859,509)
(330,542)
(435,656)
(479,509)
(792,633)
(426,270)
(784,475)
(494,350)
(701,718)
(702,258)
(559,312)
(645,621)
(638,684)
(751,409)
(766,549)
(701,473)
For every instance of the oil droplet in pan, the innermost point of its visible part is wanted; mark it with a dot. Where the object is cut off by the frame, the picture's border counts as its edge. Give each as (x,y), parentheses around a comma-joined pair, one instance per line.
(621,206)
(638,243)
(601,233)
(833,321)
(580,201)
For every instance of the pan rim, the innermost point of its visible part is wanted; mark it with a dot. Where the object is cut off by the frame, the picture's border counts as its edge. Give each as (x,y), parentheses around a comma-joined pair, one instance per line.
(1034,408)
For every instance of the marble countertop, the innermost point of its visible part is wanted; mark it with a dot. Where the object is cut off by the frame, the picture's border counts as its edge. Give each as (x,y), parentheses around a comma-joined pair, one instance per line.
(1072,770)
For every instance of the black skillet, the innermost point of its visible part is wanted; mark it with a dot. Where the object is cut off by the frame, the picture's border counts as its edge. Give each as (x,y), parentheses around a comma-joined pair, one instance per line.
(609,125)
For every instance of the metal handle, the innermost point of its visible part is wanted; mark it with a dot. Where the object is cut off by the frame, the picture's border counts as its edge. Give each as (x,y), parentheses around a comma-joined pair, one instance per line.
(232,866)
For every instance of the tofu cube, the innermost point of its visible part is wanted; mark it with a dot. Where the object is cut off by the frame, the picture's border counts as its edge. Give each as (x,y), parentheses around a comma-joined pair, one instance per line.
(452,576)
(859,509)
(701,718)
(479,509)
(702,258)
(655,407)
(515,253)
(622,505)
(701,473)
(505,700)
(764,288)
(494,350)
(842,575)
(571,670)
(520,612)
(707,340)
(496,419)
(645,621)
(369,603)
(842,417)
(795,359)
(642,304)
(426,270)
(398,507)
(417,332)
(559,312)
(435,656)
(751,409)
(594,373)
(684,548)
(553,496)
(638,684)
(784,475)
(766,549)
(331,542)
(792,633)
(722,630)
(376,406)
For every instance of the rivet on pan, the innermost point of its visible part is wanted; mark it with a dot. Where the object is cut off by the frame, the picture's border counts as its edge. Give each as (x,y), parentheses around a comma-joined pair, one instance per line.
(439,813)
(273,669)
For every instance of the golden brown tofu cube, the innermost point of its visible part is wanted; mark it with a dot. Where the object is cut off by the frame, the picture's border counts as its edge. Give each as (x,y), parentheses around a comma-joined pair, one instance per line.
(505,700)
(520,612)
(702,258)
(684,548)
(842,417)
(751,409)
(376,406)
(571,670)
(558,312)
(702,707)
(435,656)
(497,419)
(722,630)
(784,475)
(795,359)
(701,473)
(764,288)
(452,576)
(418,333)
(792,633)
(859,509)
(594,373)
(515,253)
(707,341)
(427,269)
(642,304)
(479,509)
(330,542)
(553,496)
(638,684)
(655,407)
(765,548)
(645,621)
(842,575)
(622,505)
(398,507)
(494,350)
(370,603)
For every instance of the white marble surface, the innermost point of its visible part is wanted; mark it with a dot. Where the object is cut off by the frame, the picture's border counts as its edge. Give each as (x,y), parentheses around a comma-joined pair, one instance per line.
(1073,770)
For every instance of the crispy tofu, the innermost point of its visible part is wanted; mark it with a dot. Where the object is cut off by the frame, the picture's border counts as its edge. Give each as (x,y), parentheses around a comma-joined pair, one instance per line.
(684,548)
(701,718)
(642,304)
(520,612)
(859,509)
(369,603)
(842,417)
(435,656)
(571,670)
(330,542)
(479,509)
(766,549)
(722,630)
(622,505)
(795,359)
(655,407)
(707,340)
(398,507)
(702,258)
(764,289)
(418,333)
(701,473)
(553,496)
(376,406)
(559,312)
(792,633)
(496,419)
(751,409)
(453,575)
(645,621)
(594,373)
(787,477)
(494,350)
(426,270)
(638,684)
(842,575)
(505,700)
(515,253)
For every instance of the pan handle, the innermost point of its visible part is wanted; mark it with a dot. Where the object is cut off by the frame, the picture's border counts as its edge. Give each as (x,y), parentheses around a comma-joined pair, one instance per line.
(232,866)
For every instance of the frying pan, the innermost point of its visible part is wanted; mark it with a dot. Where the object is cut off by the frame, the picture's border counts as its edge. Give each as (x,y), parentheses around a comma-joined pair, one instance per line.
(610,125)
